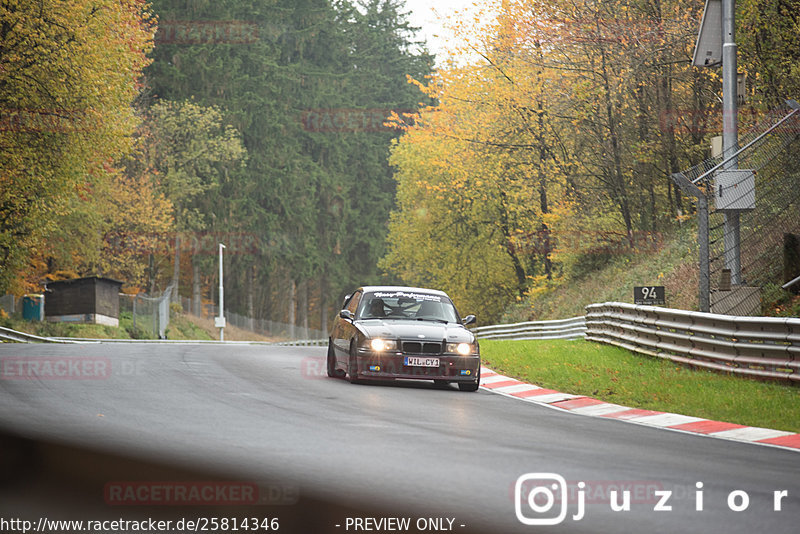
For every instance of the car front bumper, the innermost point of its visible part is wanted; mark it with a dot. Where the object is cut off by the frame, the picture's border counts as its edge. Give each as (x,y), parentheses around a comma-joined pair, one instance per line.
(392,364)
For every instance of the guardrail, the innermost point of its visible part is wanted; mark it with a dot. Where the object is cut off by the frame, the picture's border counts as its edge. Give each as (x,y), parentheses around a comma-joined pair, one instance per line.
(304,343)
(763,347)
(8,334)
(572,328)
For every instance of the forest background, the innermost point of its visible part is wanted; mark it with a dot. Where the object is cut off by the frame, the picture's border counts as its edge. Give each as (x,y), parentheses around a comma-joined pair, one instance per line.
(319,142)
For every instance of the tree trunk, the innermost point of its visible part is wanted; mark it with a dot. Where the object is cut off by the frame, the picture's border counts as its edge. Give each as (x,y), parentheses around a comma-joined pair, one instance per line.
(323,302)
(251,282)
(292,307)
(618,176)
(196,291)
(543,204)
(176,269)
(304,307)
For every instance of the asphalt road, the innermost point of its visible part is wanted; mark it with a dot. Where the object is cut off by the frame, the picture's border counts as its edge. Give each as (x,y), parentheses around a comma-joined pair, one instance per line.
(406,450)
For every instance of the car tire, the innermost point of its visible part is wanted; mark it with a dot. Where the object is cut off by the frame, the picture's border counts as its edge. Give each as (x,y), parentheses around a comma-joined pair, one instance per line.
(471,386)
(352,365)
(332,371)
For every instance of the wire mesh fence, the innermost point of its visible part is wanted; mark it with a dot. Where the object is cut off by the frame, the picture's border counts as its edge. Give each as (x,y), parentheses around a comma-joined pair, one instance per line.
(150,314)
(150,317)
(739,270)
(264,327)
(9,304)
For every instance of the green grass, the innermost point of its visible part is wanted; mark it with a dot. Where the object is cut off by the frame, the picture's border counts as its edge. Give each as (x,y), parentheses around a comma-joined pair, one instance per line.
(46,329)
(180,327)
(612,278)
(619,376)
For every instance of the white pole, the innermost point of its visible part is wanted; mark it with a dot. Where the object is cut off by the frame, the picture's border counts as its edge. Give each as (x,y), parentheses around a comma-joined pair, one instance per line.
(221,298)
(730,133)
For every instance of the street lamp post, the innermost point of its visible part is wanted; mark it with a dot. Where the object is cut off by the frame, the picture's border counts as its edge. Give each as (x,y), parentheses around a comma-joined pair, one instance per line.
(716,44)
(730,134)
(219,321)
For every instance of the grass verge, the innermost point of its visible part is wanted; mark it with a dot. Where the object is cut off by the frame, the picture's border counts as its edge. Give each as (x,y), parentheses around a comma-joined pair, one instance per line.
(181,327)
(616,375)
(612,277)
(47,329)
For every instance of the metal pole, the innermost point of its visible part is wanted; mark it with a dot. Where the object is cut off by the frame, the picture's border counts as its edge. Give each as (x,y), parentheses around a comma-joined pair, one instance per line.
(221,295)
(730,134)
(789,284)
(704,291)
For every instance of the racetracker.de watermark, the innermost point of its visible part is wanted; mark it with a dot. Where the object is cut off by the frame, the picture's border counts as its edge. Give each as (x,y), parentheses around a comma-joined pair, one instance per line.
(198,243)
(198,493)
(194,32)
(349,120)
(47,120)
(546,242)
(705,121)
(314,368)
(55,368)
(68,368)
(601,30)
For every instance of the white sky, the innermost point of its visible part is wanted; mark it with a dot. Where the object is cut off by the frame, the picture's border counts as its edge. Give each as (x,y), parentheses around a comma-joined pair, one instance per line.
(431,17)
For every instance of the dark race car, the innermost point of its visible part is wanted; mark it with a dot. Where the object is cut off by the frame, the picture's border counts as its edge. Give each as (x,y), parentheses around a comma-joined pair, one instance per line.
(387,332)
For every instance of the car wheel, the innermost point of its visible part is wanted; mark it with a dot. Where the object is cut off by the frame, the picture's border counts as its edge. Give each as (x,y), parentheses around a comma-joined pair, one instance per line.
(471,386)
(333,372)
(352,365)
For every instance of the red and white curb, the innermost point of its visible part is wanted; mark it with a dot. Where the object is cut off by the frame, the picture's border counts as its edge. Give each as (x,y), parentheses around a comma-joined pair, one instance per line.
(511,387)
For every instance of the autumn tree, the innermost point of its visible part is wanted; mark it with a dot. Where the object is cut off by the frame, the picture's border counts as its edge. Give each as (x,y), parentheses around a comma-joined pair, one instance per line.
(571,112)
(767,35)
(69,73)
(309,90)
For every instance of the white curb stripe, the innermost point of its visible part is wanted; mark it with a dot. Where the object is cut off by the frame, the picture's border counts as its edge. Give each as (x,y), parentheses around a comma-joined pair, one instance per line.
(495,378)
(516,388)
(666,419)
(750,434)
(550,398)
(599,409)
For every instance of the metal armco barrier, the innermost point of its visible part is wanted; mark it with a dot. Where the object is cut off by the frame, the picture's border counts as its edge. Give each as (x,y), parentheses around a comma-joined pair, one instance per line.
(763,347)
(303,343)
(573,328)
(6,334)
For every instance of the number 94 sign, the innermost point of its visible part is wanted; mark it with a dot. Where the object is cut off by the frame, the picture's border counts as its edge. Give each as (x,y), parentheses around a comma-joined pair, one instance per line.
(649,296)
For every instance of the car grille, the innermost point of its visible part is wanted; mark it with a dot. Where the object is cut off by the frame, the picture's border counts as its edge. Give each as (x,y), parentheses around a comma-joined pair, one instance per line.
(416,347)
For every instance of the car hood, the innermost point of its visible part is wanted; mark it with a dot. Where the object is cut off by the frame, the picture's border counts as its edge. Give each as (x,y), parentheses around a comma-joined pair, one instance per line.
(421,330)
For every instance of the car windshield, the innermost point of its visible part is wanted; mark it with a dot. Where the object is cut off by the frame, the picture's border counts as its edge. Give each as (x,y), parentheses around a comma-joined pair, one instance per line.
(407,305)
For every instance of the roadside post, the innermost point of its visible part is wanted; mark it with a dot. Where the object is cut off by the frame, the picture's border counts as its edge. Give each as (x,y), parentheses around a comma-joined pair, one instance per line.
(219,321)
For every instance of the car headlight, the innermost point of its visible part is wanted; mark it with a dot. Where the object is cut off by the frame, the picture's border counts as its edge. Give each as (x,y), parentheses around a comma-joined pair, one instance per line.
(380,345)
(463,349)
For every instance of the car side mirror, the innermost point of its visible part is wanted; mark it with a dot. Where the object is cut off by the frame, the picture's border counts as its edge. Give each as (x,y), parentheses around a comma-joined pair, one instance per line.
(469,319)
(346,314)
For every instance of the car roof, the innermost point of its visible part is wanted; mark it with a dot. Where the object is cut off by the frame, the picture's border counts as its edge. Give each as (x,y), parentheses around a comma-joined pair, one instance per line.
(372,289)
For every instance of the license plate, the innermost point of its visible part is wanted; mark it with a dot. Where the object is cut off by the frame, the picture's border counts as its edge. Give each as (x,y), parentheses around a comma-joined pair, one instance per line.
(417,361)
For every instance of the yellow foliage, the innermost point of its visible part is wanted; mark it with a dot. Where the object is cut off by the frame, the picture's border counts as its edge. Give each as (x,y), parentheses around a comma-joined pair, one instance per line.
(535,155)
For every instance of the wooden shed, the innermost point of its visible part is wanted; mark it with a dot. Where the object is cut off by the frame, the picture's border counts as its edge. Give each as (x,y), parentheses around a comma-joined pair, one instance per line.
(93,299)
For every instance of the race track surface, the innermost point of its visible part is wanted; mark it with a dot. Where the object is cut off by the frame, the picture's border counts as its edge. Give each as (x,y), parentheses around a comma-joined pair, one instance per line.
(268,415)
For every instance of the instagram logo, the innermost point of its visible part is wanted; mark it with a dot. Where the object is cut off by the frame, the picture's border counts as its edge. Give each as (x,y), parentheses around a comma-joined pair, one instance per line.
(540,491)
